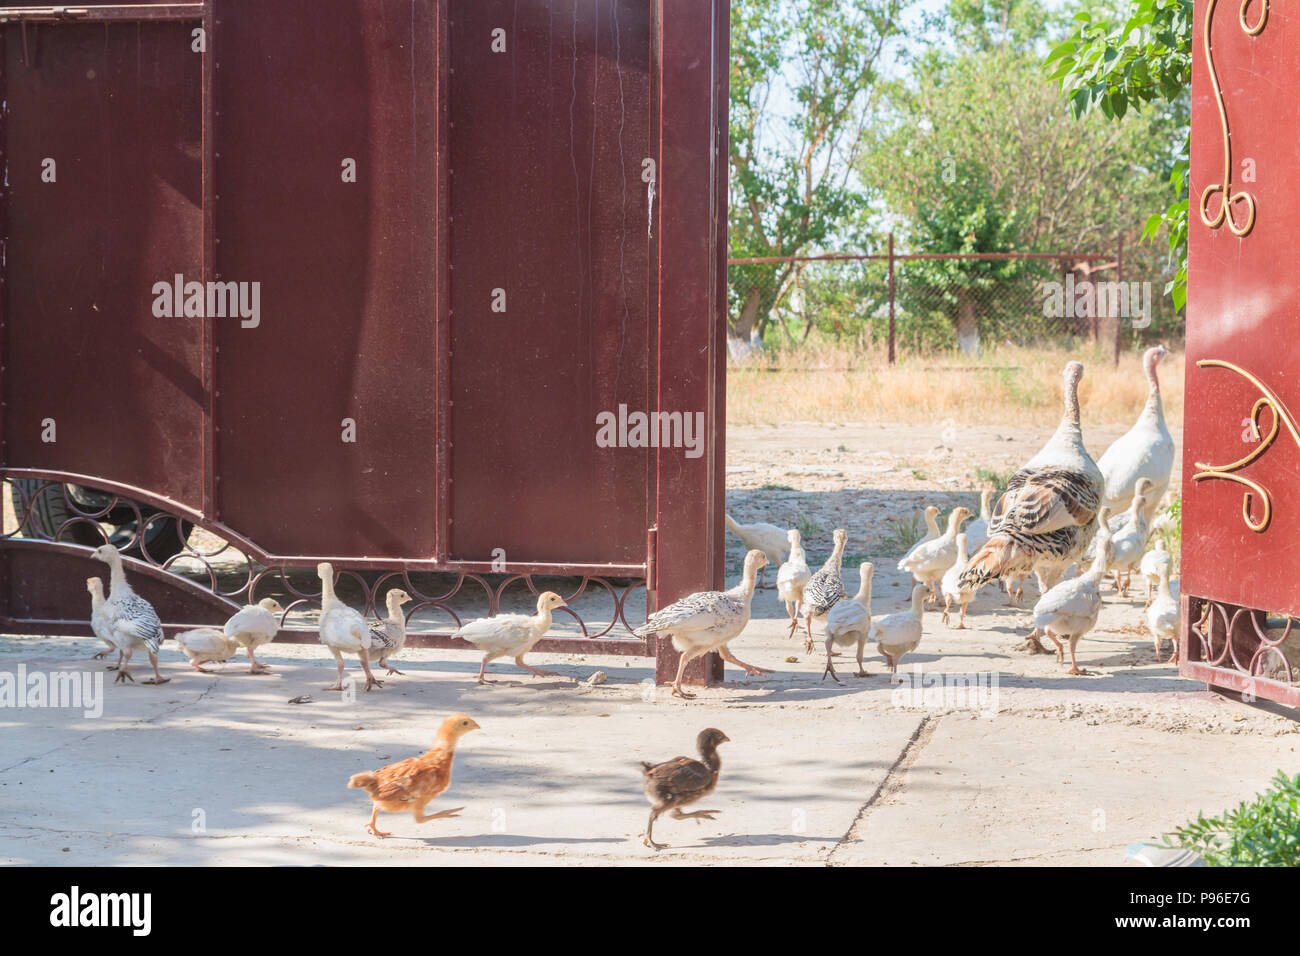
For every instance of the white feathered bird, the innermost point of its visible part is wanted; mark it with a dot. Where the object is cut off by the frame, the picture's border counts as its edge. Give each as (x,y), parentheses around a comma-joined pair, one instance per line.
(131,621)
(792,578)
(342,629)
(1070,609)
(951,587)
(205,644)
(1155,561)
(1163,615)
(388,635)
(977,532)
(848,623)
(706,620)
(99,621)
(932,531)
(899,634)
(1129,543)
(512,635)
(1145,451)
(929,560)
(252,626)
(761,536)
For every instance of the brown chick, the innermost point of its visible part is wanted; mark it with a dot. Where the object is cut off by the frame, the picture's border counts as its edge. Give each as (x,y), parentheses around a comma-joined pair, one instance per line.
(410,784)
(675,783)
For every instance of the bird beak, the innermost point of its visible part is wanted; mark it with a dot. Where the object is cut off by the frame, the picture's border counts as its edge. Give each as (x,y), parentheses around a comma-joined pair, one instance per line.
(726,739)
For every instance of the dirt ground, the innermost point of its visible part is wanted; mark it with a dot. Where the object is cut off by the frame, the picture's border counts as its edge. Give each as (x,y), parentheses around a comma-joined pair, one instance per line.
(1033,766)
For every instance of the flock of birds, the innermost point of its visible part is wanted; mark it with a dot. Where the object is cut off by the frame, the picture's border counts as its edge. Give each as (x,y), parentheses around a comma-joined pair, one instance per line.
(1061,510)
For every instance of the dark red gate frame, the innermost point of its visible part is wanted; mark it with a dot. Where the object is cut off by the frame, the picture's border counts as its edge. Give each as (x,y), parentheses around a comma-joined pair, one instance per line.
(1241,455)
(678,547)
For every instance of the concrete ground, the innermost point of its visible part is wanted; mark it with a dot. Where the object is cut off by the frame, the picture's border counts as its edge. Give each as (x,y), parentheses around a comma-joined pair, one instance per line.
(1037,768)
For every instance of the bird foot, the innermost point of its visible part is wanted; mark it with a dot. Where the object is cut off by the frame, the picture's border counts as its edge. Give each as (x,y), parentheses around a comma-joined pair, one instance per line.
(259,669)
(830,670)
(685,695)
(808,646)
(861,674)
(160,680)
(393,670)
(646,841)
(100,656)
(752,671)
(123,676)
(484,680)
(1079,671)
(444,813)
(699,815)
(1034,646)
(375,831)
(372,682)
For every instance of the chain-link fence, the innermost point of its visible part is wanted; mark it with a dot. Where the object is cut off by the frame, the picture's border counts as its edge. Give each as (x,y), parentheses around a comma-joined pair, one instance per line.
(934,301)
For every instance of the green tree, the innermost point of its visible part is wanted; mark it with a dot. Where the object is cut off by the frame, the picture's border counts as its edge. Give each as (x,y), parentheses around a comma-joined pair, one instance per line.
(1113,61)
(802,74)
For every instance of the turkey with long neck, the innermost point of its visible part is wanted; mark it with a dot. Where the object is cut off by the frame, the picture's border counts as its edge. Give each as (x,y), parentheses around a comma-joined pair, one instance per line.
(1046,517)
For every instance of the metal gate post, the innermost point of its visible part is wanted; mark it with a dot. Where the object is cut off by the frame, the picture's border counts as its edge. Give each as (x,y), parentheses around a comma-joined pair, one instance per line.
(692,137)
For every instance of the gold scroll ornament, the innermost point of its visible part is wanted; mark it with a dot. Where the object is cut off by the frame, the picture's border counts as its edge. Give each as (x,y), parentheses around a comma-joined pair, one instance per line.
(1227,472)
(1224,189)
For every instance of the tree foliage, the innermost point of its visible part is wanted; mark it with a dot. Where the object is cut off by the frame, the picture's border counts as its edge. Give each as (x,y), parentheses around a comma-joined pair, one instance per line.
(1112,63)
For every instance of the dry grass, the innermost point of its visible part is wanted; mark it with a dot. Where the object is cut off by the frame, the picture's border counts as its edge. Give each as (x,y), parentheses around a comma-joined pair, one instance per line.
(1005,386)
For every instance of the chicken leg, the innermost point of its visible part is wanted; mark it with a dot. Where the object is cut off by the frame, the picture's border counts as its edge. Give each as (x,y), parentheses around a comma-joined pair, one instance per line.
(535,671)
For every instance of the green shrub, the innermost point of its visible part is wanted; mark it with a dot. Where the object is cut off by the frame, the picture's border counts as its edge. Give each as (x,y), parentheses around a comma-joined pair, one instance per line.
(1265,832)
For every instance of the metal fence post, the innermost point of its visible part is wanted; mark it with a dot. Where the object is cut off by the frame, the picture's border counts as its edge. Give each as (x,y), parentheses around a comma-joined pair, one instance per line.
(891,299)
(1119,278)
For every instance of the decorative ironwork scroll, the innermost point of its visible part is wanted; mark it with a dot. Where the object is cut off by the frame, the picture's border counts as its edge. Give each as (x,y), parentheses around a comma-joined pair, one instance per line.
(1228,472)
(1227,198)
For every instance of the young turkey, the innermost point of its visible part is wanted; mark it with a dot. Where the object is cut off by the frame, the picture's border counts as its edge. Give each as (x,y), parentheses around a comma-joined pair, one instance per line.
(932,532)
(205,644)
(761,536)
(951,584)
(977,532)
(1145,451)
(130,620)
(512,635)
(1155,561)
(1047,516)
(681,781)
(825,588)
(1163,615)
(1129,542)
(388,636)
(792,578)
(706,620)
(929,560)
(99,621)
(342,629)
(1070,609)
(252,626)
(848,623)
(899,634)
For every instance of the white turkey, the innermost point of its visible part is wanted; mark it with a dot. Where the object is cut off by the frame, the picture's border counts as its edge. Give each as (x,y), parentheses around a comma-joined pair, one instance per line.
(899,634)
(848,623)
(1129,542)
(1155,561)
(951,587)
(706,620)
(760,536)
(342,629)
(792,578)
(252,626)
(929,560)
(1070,609)
(204,645)
(511,635)
(1145,451)
(824,589)
(1163,614)
(932,531)
(1045,519)
(131,621)
(99,621)
(388,636)
(977,532)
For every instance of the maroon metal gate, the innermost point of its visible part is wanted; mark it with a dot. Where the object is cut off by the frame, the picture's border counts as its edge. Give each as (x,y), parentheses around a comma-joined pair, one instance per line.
(331,279)
(1241,510)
